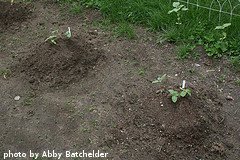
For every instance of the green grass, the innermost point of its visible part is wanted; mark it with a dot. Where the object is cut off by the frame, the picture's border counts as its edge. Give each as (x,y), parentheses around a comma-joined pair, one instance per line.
(195,28)
(184,50)
(125,30)
(76,8)
(236,62)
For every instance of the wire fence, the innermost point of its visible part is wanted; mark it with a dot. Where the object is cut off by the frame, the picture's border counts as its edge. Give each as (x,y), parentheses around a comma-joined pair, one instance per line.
(226,7)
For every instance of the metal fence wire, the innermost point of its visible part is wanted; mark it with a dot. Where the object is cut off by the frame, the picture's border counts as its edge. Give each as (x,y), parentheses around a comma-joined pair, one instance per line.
(223,7)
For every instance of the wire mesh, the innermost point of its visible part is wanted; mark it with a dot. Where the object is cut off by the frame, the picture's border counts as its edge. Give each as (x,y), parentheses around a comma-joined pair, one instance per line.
(223,7)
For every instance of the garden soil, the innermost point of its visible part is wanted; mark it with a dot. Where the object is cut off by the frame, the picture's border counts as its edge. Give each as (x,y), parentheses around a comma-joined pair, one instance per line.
(95,92)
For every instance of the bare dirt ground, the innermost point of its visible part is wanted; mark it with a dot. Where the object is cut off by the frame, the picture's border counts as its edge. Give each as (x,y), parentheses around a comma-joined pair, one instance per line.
(95,91)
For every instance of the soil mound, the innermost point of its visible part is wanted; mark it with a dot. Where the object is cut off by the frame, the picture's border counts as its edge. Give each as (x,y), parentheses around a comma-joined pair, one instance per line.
(10,14)
(153,125)
(59,65)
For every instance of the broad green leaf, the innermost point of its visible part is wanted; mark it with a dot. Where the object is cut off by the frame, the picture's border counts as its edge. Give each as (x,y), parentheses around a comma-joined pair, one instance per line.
(188,91)
(183,93)
(174,99)
(176,4)
(173,93)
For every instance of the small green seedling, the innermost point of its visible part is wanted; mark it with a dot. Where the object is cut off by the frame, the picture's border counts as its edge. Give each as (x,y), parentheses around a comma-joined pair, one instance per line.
(176,95)
(159,79)
(177,8)
(55,35)
(68,34)
(52,39)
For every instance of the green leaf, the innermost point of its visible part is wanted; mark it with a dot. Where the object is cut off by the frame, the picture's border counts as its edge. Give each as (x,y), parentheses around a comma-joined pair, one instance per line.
(160,79)
(184,9)
(174,99)
(173,93)
(173,10)
(223,26)
(226,25)
(176,4)
(183,93)
(189,92)
(53,41)
(68,33)
(155,81)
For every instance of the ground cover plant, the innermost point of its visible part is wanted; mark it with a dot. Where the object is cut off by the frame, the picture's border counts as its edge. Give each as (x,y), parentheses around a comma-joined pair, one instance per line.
(185,25)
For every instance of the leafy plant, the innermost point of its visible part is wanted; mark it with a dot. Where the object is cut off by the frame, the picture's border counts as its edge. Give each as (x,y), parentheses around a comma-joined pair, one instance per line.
(68,33)
(177,9)
(176,95)
(184,50)
(216,43)
(52,39)
(125,30)
(193,27)
(55,35)
(160,79)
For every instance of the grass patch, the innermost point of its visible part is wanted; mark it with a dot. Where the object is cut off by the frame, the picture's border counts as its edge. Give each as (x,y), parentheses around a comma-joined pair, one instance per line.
(125,30)
(182,25)
(76,8)
(184,50)
(236,62)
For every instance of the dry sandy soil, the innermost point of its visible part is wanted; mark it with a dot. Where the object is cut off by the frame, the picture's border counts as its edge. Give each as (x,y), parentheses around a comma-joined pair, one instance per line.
(95,91)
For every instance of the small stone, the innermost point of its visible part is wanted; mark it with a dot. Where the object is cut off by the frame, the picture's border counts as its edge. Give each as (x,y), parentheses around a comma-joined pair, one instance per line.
(17,98)
(158,91)
(230,98)
(197,65)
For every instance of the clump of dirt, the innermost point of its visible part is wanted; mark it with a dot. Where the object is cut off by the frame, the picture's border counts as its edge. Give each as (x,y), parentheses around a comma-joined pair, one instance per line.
(62,64)
(11,14)
(151,123)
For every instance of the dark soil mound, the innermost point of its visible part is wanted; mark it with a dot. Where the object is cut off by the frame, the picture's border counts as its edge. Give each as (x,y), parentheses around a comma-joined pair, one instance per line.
(151,125)
(61,64)
(10,14)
